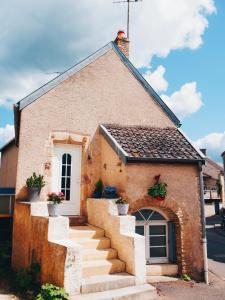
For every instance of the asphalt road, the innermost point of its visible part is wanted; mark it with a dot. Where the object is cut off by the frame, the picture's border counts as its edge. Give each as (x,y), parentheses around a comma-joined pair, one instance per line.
(216,250)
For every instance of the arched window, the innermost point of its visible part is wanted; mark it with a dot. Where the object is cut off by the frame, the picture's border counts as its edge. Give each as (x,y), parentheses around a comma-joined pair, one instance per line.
(155,227)
(66,175)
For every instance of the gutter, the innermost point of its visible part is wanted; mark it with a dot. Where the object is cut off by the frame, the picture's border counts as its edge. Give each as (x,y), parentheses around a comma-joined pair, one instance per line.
(204,239)
(131,159)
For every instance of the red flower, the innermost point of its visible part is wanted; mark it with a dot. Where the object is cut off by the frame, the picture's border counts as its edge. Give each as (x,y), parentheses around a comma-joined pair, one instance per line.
(157,177)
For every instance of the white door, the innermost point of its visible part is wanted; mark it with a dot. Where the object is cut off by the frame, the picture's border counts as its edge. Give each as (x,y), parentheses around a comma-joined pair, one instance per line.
(66,173)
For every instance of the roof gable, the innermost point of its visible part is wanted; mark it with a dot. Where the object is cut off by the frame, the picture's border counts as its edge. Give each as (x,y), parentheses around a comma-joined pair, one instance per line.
(73,70)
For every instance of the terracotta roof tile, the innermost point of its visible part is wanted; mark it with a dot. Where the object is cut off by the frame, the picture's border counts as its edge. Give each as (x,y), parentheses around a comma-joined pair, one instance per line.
(151,142)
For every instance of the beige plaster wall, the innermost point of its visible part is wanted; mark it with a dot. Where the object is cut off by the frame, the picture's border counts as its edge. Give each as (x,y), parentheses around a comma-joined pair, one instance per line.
(182,204)
(103,92)
(8,167)
(113,170)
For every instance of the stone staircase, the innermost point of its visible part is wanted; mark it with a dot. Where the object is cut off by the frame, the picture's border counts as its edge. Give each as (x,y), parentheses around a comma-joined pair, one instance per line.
(103,273)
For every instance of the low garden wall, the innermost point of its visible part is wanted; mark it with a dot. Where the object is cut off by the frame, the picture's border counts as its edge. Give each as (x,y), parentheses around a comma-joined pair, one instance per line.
(38,238)
(121,230)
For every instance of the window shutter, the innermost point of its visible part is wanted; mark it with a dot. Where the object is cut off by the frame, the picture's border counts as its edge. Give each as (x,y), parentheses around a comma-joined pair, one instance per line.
(172,242)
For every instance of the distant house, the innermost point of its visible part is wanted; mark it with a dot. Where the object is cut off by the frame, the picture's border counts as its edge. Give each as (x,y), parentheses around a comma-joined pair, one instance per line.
(9,156)
(213,175)
(101,119)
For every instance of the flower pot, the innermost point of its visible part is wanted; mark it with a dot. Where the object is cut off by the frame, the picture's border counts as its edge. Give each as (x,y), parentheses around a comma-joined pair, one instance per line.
(33,194)
(122,209)
(53,209)
(160,198)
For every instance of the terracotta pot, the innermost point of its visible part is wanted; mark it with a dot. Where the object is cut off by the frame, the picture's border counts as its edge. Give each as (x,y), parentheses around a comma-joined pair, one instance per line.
(122,209)
(33,194)
(53,209)
(159,198)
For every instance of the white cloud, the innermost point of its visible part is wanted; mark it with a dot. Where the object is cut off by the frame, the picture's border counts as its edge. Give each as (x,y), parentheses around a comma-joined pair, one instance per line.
(214,142)
(186,101)
(156,79)
(161,26)
(6,133)
(21,85)
(53,35)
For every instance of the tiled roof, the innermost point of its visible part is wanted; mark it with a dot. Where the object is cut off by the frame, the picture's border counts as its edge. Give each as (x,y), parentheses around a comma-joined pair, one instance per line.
(212,169)
(152,143)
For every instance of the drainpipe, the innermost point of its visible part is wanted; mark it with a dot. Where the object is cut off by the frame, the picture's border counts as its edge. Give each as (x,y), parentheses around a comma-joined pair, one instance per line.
(204,240)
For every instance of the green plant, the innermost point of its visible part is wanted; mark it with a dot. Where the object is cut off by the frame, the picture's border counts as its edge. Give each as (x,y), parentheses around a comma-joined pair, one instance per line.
(51,292)
(56,198)
(98,189)
(35,181)
(99,185)
(121,201)
(186,277)
(26,278)
(158,190)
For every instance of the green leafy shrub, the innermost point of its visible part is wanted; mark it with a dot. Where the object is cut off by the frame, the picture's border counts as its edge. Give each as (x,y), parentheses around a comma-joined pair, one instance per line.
(98,189)
(52,292)
(186,277)
(27,278)
(35,181)
(158,190)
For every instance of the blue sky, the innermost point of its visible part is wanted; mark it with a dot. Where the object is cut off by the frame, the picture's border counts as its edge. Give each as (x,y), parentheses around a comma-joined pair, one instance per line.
(178,45)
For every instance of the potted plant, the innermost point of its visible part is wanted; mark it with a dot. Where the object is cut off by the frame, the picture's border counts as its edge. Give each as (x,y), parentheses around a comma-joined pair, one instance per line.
(53,206)
(34,185)
(98,189)
(110,192)
(158,190)
(122,206)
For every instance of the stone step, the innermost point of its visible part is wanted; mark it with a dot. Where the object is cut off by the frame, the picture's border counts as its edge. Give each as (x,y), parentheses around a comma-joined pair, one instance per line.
(106,282)
(77,220)
(100,243)
(87,231)
(94,254)
(137,292)
(102,267)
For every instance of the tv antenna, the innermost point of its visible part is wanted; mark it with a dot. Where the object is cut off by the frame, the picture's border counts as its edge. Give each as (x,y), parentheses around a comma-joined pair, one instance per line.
(128,12)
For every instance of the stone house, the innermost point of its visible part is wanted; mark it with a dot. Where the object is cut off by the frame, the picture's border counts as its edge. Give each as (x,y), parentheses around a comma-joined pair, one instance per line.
(213,179)
(101,119)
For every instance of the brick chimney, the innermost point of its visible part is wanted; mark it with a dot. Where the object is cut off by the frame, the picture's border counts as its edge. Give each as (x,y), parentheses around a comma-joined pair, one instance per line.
(122,42)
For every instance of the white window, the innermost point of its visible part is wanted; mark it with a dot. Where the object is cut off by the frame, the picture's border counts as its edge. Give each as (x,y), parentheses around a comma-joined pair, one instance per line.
(154,227)
(66,175)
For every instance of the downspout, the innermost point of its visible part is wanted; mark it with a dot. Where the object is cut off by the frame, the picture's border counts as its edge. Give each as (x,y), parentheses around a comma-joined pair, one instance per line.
(204,240)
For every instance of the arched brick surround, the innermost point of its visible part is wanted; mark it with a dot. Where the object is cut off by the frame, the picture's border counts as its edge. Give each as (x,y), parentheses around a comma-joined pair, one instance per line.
(176,213)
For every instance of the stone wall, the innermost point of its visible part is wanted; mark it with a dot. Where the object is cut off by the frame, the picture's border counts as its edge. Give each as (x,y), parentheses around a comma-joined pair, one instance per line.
(42,239)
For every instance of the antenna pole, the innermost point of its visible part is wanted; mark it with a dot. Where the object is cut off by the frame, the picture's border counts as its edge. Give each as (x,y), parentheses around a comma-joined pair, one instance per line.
(128,12)
(128,18)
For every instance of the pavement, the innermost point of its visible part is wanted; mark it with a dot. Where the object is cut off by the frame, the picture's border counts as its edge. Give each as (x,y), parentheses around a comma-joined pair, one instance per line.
(181,290)
(215,246)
